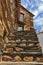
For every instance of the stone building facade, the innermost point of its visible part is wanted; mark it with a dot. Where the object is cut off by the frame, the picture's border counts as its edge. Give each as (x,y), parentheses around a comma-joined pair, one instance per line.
(11,13)
(18,40)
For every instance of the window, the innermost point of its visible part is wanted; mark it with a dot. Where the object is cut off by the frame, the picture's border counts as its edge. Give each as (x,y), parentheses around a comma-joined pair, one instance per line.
(21,17)
(20,28)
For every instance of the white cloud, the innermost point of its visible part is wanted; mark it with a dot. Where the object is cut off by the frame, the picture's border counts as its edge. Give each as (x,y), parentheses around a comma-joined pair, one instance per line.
(41,0)
(25,5)
(39,21)
(28,2)
(32,6)
(35,13)
(40,8)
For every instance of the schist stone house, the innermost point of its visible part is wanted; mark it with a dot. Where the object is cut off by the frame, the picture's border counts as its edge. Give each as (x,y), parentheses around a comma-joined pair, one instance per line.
(18,40)
(8,13)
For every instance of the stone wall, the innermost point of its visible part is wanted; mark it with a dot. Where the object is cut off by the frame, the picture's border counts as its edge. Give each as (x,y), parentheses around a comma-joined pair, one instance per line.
(28,18)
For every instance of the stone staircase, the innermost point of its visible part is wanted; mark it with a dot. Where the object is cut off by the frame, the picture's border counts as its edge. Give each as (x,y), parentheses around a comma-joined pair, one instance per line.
(22,46)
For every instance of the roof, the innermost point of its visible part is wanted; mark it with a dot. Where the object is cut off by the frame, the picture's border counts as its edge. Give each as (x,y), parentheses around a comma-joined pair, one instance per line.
(27,10)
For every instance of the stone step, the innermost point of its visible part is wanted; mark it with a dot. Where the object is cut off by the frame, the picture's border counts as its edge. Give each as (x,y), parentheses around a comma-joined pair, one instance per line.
(24,46)
(21,49)
(25,33)
(29,31)
(16,41)
(21,63)
(16,49)
(22,53)
(22,37)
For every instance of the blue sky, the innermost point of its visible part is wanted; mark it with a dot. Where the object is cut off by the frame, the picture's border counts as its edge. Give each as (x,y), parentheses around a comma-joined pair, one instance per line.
(36,7)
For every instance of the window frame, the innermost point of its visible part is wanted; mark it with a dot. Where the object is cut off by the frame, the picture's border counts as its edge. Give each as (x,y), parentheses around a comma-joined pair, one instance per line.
(22,27)
(21,17)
